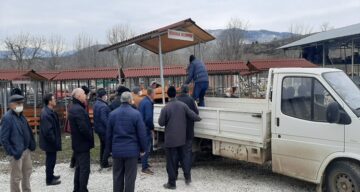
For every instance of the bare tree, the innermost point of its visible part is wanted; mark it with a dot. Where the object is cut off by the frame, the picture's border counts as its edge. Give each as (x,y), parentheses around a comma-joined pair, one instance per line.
(124,55)
(231,41)
(325,26)
(86,54)
(56,48)
(300,29)
(25,49)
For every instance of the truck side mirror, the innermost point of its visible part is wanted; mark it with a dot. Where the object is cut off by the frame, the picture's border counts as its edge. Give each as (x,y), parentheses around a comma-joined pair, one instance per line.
(333,113)
(344,118)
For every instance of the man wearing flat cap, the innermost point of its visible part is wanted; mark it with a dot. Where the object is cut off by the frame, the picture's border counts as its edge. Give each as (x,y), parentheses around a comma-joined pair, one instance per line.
(17,138)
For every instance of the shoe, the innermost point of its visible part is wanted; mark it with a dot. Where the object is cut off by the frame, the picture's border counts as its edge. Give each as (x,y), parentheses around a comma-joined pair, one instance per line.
(187,181)
(53,182)
(147,171)
(72,165)
(106,166)
(56,177)
(168,186)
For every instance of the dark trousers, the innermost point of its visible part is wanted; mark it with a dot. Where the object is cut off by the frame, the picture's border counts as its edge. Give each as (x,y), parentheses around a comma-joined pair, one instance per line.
(199,92)
(82,171)
(124,174)
(72,161)
(174,155)
(103,160)
(187,159)
(145,158)
(50,165)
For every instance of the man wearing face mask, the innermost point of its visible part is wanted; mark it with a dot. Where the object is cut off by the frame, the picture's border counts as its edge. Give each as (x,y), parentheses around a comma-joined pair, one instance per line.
(101,116)
(17,138)
(82,139)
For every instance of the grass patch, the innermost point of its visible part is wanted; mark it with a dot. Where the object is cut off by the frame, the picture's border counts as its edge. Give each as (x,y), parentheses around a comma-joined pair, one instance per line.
(64,156)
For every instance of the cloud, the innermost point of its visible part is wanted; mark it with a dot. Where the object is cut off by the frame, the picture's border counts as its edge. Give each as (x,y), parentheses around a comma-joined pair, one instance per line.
(95,17)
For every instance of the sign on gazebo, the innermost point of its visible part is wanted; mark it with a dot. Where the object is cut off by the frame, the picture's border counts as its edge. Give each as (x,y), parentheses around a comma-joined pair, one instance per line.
(180,35)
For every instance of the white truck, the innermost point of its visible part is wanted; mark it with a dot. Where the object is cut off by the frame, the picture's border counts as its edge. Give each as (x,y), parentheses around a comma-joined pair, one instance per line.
(308,126)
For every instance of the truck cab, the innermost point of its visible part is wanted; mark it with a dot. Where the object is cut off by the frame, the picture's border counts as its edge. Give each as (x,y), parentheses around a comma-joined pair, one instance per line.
(315,127)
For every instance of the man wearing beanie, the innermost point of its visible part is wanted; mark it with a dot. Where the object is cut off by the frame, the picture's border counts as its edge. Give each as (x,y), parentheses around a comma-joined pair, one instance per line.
(117,102)
(174,117)
(197,72)
(101,116)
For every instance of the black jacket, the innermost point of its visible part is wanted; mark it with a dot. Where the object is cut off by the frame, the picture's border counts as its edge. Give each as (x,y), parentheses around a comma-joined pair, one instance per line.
(82,136)
(12,134)
(174,117)
(190,102)
(50,135)
(117,102)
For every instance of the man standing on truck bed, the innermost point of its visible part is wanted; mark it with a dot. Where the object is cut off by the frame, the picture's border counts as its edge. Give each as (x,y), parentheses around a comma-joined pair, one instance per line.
(197,72)
(174,117)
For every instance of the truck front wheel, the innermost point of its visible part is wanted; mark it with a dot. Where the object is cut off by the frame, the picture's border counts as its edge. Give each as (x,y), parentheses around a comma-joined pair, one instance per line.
(343,176)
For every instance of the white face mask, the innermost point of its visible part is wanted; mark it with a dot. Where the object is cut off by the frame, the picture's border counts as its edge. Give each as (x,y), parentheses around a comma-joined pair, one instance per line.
(19,109)
(105,97)
(140,93)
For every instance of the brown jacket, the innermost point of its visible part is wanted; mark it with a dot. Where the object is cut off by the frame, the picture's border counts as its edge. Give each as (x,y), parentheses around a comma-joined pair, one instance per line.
(174,117)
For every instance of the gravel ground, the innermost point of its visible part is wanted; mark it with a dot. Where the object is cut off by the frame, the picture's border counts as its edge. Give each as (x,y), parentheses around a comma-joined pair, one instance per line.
(213,175)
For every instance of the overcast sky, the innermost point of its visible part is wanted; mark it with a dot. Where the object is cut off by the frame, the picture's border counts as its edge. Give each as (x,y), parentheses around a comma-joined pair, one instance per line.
(94,17)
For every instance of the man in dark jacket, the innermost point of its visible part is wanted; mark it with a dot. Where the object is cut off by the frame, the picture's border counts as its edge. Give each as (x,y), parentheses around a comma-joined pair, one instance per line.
(197,72)
(190,102)
(146,109)
(82,139)
(117,102)
(67,123)
(50,137)
(174,117)
(17,139)
(101,116)
(126,139)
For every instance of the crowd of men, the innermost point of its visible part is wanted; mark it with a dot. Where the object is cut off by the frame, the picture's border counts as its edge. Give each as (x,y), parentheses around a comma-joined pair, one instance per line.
(125,129)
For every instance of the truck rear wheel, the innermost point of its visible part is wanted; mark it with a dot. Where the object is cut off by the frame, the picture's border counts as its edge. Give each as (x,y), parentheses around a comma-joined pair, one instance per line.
(343,176)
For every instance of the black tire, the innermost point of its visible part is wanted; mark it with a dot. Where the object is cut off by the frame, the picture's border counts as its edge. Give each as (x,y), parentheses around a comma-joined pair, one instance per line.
(343,176)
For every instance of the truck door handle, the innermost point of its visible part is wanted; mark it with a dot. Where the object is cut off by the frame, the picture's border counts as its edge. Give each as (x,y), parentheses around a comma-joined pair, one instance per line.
(278,121)
(258,115)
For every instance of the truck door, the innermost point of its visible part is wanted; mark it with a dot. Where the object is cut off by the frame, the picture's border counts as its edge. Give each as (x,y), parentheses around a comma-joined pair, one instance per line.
(302,138)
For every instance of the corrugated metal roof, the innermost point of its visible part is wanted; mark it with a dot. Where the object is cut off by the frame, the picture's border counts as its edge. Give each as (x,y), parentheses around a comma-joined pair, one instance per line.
(11,75)
(347,31)
(175,70)
(220,67)
(49,74)
(87,74)
(150,40)
(266,64)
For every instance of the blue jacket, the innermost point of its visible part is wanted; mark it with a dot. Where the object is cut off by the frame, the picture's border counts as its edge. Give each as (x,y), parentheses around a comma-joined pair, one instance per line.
(146,108)
(125,134)
(82,136)
(101,116)
(13,134)
(197,72)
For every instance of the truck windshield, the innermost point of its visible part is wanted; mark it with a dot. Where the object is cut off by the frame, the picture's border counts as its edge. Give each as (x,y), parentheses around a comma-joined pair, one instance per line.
(345,88)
